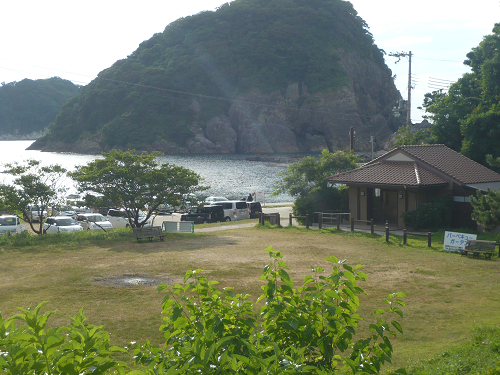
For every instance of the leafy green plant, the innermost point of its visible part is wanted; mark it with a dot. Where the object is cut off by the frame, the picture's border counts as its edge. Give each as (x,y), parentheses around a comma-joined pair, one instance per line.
(33,348)
(308,329)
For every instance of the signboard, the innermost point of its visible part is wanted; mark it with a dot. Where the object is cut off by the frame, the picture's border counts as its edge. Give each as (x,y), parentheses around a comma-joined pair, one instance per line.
(454,241)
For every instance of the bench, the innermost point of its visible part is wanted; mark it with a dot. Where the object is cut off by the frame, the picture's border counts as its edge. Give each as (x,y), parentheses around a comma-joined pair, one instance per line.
(178,226)
(148,232)
(477,247)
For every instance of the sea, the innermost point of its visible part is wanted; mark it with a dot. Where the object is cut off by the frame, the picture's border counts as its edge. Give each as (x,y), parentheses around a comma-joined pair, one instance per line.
(228,175)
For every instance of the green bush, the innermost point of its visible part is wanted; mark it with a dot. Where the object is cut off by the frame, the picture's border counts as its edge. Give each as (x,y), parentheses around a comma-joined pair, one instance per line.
(308,329)
(434,215)
(479,356)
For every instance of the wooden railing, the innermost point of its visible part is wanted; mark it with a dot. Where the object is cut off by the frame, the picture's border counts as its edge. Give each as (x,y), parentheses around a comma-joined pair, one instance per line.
(306,218)
(372,226)
(330,218)
(428,234)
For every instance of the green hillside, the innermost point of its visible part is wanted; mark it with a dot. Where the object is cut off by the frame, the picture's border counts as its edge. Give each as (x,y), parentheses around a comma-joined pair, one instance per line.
(28,106)
(212,58)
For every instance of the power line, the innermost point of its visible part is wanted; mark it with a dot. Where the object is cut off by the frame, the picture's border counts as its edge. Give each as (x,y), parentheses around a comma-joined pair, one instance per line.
(440,80)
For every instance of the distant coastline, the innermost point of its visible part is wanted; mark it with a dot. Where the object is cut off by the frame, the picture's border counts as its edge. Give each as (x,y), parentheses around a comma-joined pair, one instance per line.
(24,137)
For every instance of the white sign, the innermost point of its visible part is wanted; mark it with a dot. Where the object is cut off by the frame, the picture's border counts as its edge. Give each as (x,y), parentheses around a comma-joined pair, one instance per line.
(454,241)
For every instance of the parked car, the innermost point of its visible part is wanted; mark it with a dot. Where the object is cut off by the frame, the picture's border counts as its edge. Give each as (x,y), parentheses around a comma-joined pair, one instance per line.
(204,214)
(34,213)
(11,224)
(234,210)
(119,218)
(165,209)
(93,221)
(186,202)
(56,224)
(212,199)
(255,209)
(63,211)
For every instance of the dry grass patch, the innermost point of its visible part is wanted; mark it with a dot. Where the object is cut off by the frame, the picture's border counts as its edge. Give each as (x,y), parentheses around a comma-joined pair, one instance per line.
(447,294)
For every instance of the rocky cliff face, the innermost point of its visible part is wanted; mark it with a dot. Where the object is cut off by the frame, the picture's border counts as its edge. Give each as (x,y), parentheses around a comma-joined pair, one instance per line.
(295,121)
(289,121)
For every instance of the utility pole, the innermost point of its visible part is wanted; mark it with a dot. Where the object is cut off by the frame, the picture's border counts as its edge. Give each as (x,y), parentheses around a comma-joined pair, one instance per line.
(371,140)
(408,104)
(351,138)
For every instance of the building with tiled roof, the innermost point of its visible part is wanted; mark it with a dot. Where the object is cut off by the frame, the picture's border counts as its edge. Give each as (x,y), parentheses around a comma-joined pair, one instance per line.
(407,176)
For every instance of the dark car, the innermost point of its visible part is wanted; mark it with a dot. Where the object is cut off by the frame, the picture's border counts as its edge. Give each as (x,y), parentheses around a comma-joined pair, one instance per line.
(205,214)
(255,209)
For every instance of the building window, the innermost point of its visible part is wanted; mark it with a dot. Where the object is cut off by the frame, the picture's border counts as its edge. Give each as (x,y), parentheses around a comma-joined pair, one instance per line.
(377,192)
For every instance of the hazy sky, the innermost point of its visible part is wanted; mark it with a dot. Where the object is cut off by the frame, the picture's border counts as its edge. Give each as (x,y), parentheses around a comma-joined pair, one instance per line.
(76,40)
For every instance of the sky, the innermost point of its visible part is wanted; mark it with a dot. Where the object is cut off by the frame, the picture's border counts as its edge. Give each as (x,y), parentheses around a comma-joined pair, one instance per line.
(75,40)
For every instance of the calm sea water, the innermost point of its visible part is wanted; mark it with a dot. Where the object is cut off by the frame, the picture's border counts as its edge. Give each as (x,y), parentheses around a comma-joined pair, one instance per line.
(229,176)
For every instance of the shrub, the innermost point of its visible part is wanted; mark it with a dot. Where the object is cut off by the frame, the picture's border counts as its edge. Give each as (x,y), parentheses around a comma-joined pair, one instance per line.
(433,215)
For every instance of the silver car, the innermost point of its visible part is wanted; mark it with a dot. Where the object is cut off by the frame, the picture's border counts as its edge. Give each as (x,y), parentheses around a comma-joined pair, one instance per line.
(234,210)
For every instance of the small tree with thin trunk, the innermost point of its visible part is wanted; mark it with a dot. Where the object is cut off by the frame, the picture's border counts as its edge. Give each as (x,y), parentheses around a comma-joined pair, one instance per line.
(35,184)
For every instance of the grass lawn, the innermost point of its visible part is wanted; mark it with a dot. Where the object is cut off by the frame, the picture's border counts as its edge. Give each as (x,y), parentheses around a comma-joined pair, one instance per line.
(447,295)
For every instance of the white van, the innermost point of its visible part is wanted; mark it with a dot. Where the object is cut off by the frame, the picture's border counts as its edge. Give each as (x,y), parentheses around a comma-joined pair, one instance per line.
(234,210)
(11,224)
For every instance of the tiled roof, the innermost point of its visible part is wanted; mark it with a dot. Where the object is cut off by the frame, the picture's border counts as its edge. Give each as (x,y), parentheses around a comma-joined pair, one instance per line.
(386,172)
(452,163)
(419,166)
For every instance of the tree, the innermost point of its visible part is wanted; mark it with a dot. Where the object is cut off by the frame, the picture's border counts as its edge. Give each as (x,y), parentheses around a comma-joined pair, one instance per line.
(306,181)
(405,136)
(135,182)
(467,118)
(447,110)
(486,209)
(43,186)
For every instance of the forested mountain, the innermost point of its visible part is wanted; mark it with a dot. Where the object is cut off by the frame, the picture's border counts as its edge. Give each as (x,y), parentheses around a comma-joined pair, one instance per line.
(254,76)
(467,117)
(30,106)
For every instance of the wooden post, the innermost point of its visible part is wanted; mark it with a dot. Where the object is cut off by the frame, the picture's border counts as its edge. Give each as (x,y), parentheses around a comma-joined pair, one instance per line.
(320,220)
(429,239)
(307,221)
(372,227)
(352,225)
(387,231)
(338,227)
(290,219)
(404,236)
